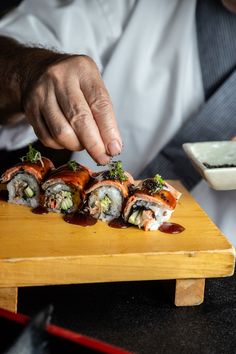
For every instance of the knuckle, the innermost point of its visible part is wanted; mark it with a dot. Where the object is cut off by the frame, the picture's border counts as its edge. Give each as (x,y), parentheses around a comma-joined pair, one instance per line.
(78,117)
(38,87)
(61,132)
(85,61)
(109,130)
(52,74)
(101,104)
(80,121)
(71,109)
(34,97)
(52,71)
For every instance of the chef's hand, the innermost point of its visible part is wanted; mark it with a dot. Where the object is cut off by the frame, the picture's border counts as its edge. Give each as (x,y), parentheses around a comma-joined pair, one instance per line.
(61,95)
(69,107)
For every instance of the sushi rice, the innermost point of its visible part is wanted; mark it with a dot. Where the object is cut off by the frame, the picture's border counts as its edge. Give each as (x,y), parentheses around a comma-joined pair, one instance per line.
(105,203)
(24,189)
(61,197)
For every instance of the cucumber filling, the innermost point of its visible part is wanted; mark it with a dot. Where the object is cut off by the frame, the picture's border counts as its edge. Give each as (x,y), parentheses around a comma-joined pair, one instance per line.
(29,193)
(66,202)
(135,217)
(62,200)
(141,217)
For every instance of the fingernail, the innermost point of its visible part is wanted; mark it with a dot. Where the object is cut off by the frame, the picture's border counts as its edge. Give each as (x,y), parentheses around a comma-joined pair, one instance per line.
(103,160)
(114,148)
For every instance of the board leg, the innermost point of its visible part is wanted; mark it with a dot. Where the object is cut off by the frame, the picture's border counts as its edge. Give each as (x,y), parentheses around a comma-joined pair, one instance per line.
(8,299)
(189,292)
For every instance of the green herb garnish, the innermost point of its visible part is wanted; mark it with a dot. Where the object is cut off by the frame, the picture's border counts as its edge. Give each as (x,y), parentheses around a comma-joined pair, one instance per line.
(32,156)
(158,179)
(155,184)
(72,165)
(116,171)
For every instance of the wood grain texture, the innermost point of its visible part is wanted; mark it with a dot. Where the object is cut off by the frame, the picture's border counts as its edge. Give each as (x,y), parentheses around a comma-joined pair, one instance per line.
(189,292)
(43,249)
(8,299)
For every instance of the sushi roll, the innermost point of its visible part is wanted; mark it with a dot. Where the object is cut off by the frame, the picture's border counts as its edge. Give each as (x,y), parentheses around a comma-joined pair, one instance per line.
(64,188)
(24,179)
(107,192)
(152,203)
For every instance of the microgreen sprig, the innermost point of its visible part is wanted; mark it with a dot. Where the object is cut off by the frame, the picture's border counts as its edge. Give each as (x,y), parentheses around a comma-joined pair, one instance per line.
(32,156)
(72,165)
(158,179)
(155,184)
(116,171)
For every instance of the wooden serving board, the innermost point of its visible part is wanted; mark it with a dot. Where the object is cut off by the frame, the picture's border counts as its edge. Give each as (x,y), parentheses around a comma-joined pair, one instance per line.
(44,249)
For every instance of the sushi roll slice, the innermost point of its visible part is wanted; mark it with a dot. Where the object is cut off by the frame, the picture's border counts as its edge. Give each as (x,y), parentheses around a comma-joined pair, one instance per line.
(151,204)
(24,179)
(64,188)
(107,192)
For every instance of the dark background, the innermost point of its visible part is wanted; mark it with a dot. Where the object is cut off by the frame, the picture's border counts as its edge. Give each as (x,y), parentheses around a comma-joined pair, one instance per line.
(141,316)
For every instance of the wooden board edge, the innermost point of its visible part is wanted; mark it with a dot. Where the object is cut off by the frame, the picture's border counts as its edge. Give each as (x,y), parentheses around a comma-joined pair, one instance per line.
(112,268)
(189,253)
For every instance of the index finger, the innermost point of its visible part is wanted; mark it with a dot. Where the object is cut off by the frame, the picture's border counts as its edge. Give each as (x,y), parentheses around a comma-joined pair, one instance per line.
(100,105)
(78,114)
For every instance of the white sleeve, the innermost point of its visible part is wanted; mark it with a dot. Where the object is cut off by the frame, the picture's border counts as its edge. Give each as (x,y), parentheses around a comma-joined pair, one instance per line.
(30,23)
(17,136)
(23,25)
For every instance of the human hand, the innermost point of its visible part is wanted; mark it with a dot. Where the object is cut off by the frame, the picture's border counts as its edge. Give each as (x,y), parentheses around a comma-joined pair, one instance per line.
(69,107)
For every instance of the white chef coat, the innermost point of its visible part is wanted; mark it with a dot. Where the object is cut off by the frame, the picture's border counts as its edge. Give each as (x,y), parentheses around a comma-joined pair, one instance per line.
(147,53)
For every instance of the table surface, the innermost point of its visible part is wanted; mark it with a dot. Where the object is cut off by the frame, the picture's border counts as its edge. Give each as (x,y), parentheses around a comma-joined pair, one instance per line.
(141,316)
(44,249)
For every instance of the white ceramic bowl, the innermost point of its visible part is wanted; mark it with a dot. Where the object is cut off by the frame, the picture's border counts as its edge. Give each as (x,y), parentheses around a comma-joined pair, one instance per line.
(216,154)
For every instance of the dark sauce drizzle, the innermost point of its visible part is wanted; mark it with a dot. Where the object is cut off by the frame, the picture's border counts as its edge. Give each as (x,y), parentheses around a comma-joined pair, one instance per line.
(4,195)
(84,219)
(171,228)
(40,210)
(119,223)
(81,218)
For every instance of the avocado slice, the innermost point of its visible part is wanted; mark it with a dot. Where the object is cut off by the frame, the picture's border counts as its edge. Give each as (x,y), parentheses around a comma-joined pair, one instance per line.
(105,202)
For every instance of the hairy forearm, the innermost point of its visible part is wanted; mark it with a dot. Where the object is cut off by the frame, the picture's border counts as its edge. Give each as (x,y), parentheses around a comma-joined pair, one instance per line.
(20,68)
(10,96)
